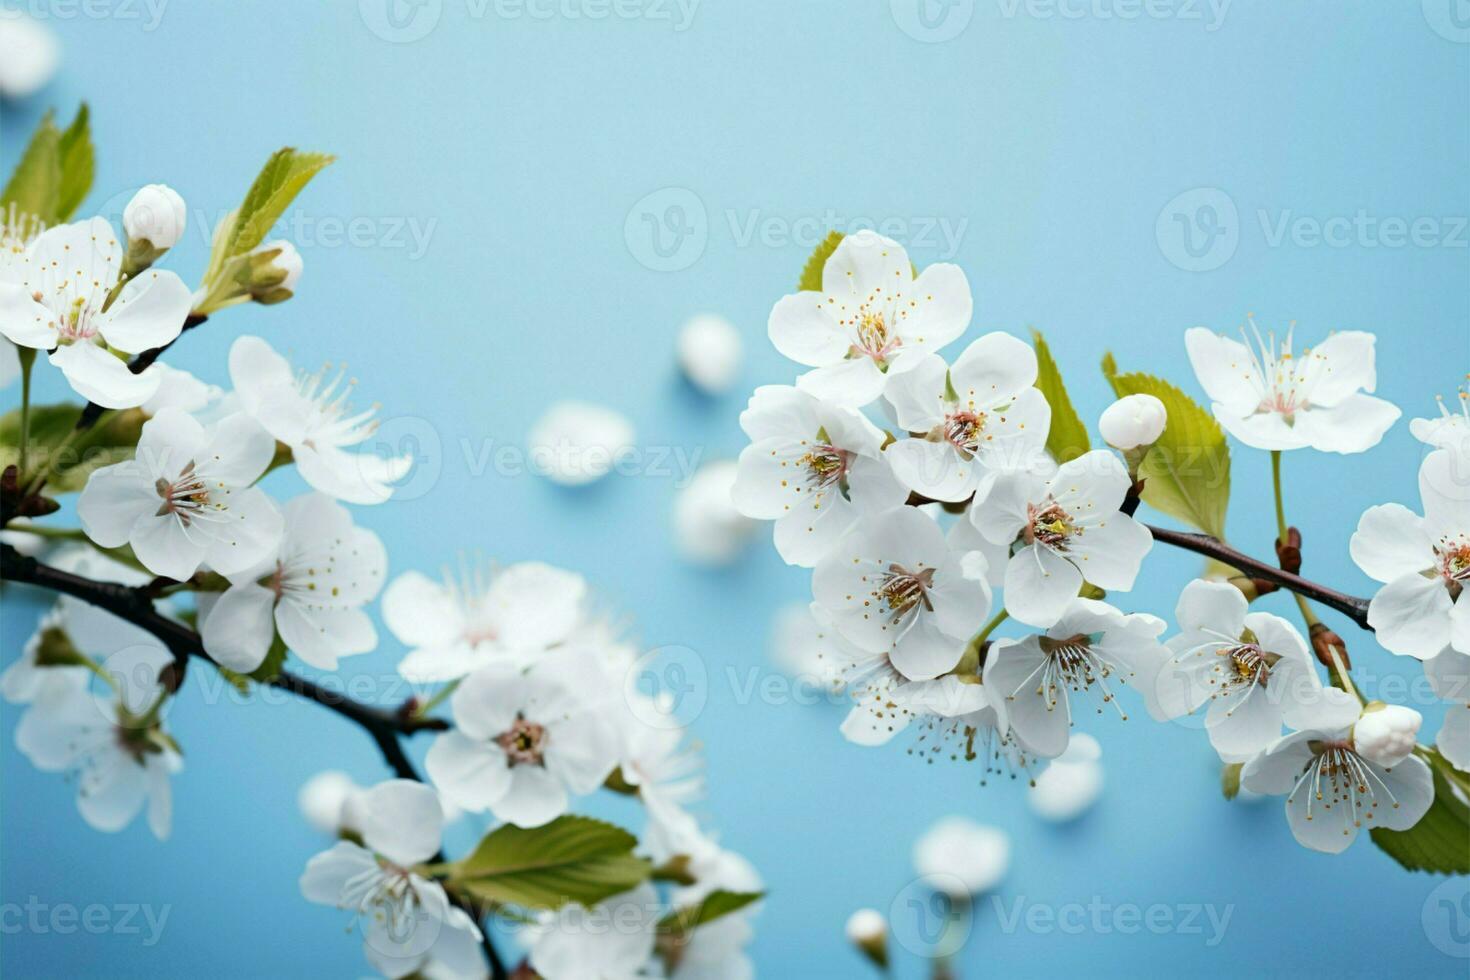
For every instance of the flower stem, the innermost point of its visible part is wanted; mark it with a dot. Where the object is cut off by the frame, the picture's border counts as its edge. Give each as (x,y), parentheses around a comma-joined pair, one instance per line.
(423,710)
(27,356)
(995,621)
(1276,487)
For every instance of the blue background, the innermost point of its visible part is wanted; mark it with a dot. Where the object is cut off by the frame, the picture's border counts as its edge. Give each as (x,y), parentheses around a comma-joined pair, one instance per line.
(526,143)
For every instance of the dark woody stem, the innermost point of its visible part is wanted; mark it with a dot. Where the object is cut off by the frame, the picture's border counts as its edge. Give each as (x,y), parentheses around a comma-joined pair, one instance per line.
(385,726)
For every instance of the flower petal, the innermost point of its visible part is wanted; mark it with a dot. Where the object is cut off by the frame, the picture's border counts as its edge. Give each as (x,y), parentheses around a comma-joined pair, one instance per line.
(472,773)
(149,312)
(103,378)
(1390,542)
(402,820)
(239,629)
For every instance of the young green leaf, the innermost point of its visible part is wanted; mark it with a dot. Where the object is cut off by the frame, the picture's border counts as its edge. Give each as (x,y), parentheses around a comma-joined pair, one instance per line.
(78,165)
(68,464)
(811,276)
(1440,841)
(283,177)
(716,905)
(1187,473)
(571,859)
(1068,436)
(35,185)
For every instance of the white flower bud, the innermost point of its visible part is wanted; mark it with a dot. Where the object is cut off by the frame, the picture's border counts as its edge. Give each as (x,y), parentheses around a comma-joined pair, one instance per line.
(1133,421)
(1386,733)
(1071,784)
(323,798)
(868,931)
(155,215)
(29,54)
(708,530)
(289,262)
(709,352)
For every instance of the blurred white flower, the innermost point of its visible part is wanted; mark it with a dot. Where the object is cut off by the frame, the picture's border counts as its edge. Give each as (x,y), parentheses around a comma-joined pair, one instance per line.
(156,215)
(803,650)
(186,498)
(611,941)
(1133,421)
(813,467)
(575,443)
(1270,397)
(1449,676)
(709,352)
(871,321)
(867,929)
(311,414)
(311,591)
(323,800)
(1450,431)
(1071,784)
(708,529)
(55,298)
(462,623)
(29,54)
(962,858)
(1423,561)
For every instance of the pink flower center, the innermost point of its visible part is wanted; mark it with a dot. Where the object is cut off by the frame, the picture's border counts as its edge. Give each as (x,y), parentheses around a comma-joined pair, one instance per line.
(523,743)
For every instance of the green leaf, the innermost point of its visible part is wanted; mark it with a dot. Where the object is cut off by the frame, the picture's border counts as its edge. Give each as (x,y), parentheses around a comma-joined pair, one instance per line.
(811,276)
(78,165)
(35,185)
(716,905)
(283,177)
(1068,436)
(1230,779)
(1440,841)
(571,859)
(1187,472)
(111,440)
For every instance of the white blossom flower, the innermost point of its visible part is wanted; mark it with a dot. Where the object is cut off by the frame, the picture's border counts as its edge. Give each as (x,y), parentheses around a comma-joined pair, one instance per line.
(894,585)
(1271,398)
(970,421)
(323,800)
(1332,791)
(460,624)
(709,352)
(311,414)
(662,765)
(1253,669)
(611,941)
(962,858)
(186,497)
(1071,784)
(871,320)
(1423,561)
(29,54)
(708,528)
(1069,530)
(55,299)
(1133,421)
(112,744)
(1386,734)
(805,651)
(1450,431)
(716,950)
(576,443)
(156,215)
(1090,651)
(311,592)
(813,467)
(1449,676)
(524,742)
(405,916)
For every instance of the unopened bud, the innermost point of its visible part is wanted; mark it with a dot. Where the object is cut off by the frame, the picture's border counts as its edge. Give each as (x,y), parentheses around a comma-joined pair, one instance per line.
(278,266)
(868,931)
(1133,421)
(1386,733)
(156,217)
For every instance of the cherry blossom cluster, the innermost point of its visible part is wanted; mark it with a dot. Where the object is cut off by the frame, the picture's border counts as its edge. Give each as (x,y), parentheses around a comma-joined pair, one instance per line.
(927,495)
(542,708)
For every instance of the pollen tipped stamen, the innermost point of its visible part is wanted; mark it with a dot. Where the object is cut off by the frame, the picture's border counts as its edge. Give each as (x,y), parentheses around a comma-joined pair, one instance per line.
(904,591)
(524,743)
(1049,524)
(826,466)
(965,430)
